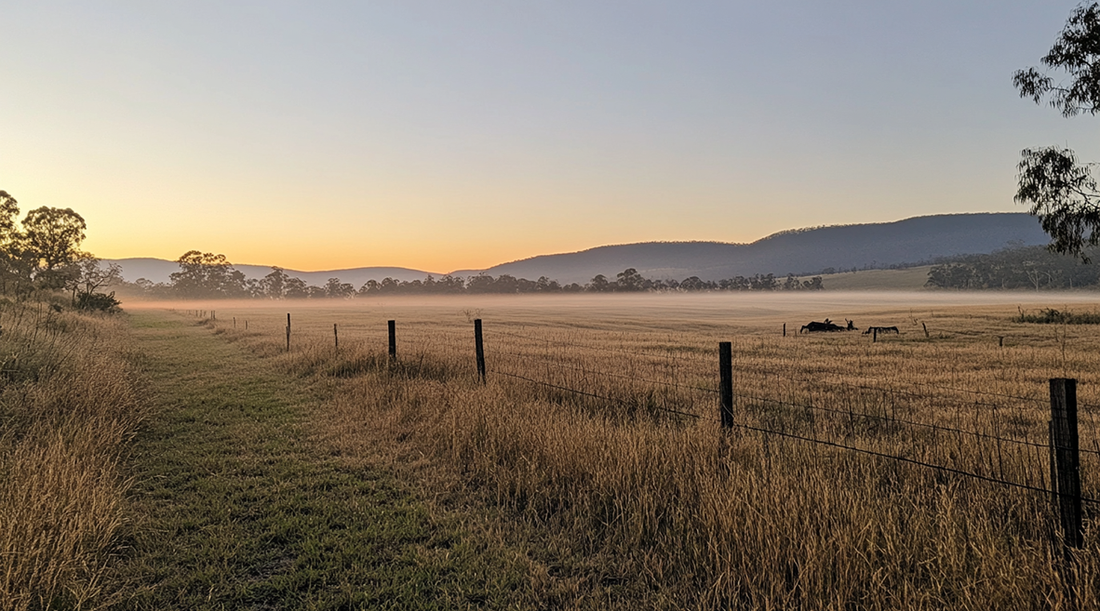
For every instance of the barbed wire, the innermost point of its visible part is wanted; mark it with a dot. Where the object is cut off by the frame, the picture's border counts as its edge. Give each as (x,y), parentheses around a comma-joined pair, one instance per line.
(593,395)
(850,413)
(890,419)
(561,365)
(914,461)
(670,354)
(827,443)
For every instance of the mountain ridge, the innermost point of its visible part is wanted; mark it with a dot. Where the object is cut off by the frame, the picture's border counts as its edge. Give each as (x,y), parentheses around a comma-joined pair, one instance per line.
(799,251)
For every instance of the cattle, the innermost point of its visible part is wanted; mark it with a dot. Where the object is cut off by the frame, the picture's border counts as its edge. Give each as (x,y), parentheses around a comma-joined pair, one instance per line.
(882,330)
(828,325)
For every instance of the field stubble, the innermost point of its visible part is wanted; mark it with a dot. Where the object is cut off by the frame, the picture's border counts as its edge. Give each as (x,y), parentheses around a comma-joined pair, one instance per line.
(628,492)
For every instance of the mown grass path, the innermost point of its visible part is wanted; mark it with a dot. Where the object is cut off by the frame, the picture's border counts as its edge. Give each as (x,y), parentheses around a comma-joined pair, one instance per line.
(244,512)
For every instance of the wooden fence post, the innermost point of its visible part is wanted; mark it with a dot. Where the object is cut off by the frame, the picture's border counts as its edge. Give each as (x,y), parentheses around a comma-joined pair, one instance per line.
(874,334)
(392,324)
(335,336)
(288,331)
(1063,412)
(784,329)
(479,350)
(725,370)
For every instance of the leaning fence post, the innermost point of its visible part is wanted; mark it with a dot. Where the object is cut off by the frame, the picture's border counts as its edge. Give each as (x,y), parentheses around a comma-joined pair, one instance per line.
(1063,412)
(725,369)
(288,331)
(392,324)
(479,350)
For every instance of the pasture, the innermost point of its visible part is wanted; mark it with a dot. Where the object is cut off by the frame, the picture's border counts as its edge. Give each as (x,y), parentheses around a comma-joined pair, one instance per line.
(907,473)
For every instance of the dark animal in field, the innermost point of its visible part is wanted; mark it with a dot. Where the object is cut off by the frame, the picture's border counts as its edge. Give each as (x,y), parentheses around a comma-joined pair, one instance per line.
(828,325)
(882,330)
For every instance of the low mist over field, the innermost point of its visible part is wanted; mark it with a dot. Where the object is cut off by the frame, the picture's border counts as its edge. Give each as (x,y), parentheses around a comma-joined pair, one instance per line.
(652,311)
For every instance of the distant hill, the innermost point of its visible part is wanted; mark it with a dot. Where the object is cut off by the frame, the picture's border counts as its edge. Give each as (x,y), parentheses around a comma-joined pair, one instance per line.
(158,270)
(799,252)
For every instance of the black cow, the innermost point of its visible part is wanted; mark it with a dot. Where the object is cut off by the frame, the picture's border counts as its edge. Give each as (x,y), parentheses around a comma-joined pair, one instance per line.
(828,325)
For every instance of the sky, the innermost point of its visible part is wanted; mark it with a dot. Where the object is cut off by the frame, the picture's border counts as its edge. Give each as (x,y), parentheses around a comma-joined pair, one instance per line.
(458,135)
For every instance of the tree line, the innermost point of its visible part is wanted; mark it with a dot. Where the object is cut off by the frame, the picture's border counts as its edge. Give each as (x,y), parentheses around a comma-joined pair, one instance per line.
(41,256)
(212,276)
(1030,267)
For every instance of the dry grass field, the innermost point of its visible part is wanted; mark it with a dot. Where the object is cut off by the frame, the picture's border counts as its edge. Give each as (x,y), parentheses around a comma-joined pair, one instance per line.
(901,474)
(68,409)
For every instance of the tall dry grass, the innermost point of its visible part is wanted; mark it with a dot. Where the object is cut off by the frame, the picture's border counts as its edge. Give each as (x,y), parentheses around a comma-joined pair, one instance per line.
(67,409)
(627,503)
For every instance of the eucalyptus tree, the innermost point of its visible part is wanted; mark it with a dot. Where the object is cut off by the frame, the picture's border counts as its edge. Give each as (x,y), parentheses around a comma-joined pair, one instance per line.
(1060,189)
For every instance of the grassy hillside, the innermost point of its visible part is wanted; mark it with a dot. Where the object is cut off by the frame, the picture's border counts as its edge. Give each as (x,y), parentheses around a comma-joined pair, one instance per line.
(909,279)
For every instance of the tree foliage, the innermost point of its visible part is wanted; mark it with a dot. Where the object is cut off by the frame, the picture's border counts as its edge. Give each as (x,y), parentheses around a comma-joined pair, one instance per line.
(207,275)
(52,236)
(1030,267)
(1075,52)
(43,254)
(1059,189)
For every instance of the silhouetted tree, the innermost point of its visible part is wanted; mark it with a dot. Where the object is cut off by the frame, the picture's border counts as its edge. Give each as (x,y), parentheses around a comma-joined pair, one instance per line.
(206,275)
(274,285)
(85,276)
(599,284)
(1059,189)
(630,280)
(51,240)
(338,290)
(15,269)
(296,288)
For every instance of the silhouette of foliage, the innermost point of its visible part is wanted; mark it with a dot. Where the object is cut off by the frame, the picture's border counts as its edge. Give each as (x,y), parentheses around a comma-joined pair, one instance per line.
(1059,189)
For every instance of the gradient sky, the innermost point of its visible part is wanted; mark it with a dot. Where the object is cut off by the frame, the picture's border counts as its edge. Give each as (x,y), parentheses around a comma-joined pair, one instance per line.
(455,135)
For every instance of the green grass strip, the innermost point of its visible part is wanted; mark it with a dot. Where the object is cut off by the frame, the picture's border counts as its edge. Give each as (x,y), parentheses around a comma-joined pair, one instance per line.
(245,512)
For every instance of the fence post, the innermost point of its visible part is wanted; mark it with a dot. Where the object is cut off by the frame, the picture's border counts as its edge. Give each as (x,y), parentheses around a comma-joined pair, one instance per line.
(479,349)
(725,369)
(784,329)
(335,335)
(392,324)
(1063,412)
(288,331)
(874,334)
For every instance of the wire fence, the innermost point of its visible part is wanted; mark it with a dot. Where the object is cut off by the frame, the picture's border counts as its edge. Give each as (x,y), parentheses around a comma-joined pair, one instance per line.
(988,436)
(837,419)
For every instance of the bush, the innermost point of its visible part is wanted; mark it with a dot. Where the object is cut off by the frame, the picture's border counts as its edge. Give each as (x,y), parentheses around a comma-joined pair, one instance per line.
(98,302)
(1058,317)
